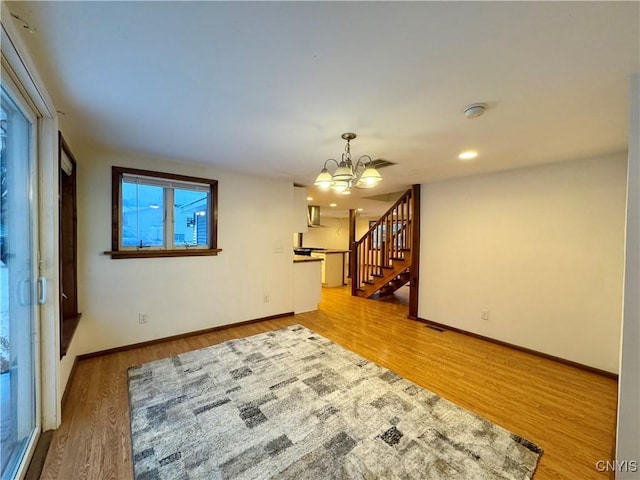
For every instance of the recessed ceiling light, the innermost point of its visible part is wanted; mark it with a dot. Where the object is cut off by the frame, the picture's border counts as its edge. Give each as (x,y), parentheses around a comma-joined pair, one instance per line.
(468,155)
(360,209)
(309,199)
(333,204)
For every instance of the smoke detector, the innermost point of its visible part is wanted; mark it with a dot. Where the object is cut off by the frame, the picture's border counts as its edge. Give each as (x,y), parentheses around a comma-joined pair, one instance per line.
(474,110)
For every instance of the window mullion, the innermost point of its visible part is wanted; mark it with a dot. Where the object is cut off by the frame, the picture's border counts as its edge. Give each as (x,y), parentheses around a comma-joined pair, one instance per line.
(168,218)
(120,213)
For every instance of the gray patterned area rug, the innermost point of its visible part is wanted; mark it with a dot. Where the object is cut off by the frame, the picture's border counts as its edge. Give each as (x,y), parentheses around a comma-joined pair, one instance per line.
(290,404)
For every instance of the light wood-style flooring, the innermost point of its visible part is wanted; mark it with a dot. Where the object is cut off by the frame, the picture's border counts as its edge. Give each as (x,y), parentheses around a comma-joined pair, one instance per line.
(570,413)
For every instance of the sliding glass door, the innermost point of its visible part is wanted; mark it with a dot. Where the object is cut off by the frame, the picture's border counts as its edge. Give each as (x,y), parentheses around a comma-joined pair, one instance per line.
(19,372)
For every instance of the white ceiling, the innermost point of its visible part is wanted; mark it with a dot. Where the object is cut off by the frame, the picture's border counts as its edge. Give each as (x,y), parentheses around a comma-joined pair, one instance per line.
(268,87)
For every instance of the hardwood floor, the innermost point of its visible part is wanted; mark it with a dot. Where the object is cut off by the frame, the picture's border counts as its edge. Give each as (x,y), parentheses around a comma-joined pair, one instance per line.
(570,413)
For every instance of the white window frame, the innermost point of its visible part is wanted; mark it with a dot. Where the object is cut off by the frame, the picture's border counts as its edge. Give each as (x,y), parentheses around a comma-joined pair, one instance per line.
(18,66)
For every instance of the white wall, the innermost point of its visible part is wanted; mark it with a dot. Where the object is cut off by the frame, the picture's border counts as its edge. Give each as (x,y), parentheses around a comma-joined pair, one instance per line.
(628,441)
(333,234)
(362,225)
(540,248)
(181,294)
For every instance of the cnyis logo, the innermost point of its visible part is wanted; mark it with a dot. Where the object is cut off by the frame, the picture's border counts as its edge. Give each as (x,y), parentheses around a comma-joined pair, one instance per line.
(623,466)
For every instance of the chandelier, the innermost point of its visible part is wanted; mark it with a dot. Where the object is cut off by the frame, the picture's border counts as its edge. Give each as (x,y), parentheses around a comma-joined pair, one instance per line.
(361,175)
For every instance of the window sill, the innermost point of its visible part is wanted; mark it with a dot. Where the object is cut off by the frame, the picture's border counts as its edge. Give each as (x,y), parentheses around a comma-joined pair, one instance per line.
(69,325)
(199,252)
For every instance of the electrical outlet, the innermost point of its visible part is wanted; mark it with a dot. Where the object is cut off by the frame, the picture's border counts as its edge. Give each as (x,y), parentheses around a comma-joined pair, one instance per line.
(142,318)
(485,315)
(266,298)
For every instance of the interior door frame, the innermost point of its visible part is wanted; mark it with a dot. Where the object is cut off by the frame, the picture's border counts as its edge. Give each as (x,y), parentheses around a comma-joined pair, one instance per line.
(414,272)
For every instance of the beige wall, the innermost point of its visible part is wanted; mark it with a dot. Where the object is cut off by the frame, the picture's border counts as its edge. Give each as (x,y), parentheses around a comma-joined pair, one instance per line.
(362,225)
(628,441)
(181,294)
(540,248)
(334,233)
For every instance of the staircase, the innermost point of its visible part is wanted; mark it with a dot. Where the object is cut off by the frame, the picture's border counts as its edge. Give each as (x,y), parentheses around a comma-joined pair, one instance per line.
(381,259)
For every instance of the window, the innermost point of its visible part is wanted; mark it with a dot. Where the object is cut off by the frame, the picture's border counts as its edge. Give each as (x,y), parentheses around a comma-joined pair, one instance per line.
(162,215)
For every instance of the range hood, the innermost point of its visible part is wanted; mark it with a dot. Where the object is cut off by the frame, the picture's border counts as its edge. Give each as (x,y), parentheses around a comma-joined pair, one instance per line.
(313,216)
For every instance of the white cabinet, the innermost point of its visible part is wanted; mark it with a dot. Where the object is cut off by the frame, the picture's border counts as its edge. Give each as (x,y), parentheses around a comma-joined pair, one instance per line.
(333,267)
(321,256)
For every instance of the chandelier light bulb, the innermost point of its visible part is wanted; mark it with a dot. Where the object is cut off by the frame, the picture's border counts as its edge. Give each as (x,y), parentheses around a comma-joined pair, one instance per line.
(324,180)
(371,177)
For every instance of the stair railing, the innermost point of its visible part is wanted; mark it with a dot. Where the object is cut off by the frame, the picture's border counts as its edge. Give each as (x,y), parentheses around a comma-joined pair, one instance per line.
(388,239)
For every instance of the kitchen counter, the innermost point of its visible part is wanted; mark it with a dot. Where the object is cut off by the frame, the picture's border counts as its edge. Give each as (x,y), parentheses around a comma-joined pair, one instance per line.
(305,258)
(334,266)
(308,250)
